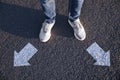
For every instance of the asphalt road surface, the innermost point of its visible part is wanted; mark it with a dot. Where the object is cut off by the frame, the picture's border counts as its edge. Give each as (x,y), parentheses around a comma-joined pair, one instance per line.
(63,57)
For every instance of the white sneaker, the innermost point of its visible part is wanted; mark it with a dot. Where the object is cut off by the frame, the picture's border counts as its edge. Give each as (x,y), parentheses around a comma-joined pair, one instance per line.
(78,28)
(45,32)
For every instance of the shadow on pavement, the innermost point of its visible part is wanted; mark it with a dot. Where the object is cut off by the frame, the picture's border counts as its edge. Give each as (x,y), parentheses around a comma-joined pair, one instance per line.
(2,77)
(26,22)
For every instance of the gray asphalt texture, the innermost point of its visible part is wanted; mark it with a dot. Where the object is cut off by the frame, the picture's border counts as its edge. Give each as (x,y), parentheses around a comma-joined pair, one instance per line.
(63,57)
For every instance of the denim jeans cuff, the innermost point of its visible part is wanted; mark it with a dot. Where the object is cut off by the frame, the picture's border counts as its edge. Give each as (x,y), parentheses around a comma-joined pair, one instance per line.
(72,20)
(50,20)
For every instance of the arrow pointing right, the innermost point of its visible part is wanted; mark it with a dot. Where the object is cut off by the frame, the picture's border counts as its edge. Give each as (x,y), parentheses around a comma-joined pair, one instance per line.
(102,57)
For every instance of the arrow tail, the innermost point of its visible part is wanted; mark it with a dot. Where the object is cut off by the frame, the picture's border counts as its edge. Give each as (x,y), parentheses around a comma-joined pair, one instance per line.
(95,50)
(28,51)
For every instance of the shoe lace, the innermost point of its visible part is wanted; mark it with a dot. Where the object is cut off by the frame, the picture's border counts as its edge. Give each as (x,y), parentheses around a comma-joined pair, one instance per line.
(77,25)
(45,28)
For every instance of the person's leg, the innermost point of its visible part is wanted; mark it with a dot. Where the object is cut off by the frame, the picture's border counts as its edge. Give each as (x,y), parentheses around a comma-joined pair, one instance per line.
(48,7)
(75,9)
(74,14)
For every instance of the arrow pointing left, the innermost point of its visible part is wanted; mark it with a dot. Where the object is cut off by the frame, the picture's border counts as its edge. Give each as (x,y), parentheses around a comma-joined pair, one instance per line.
(22,58)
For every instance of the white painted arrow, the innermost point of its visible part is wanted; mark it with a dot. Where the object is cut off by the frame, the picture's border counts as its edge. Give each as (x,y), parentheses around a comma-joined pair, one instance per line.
(22,58)
(102,57)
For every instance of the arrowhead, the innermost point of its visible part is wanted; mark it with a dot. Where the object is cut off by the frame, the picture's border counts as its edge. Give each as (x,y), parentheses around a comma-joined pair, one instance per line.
(105,60)
(19,61)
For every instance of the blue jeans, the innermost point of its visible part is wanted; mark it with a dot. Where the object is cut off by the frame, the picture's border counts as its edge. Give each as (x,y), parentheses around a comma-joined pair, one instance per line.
(49,9)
